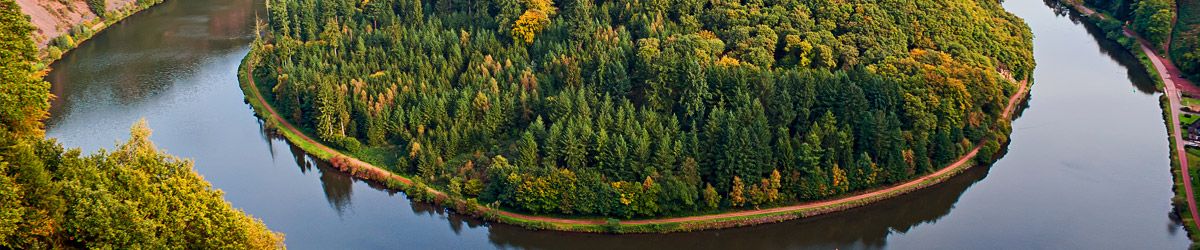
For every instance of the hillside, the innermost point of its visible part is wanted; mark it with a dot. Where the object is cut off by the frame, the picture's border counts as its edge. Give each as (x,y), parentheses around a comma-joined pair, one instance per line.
(132,197)
(53,18)
(60,25)
(645,109)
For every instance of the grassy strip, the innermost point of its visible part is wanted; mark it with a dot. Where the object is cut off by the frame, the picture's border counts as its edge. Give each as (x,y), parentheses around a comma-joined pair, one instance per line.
(420,192)
(1149,67)
(1180,199)
(614,226)
(1131,44)
(271,122)
(1187,119)
(82,32)
(1188,101)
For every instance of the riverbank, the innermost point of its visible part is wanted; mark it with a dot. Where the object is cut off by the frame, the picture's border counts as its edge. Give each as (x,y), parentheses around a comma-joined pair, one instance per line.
(61,27)
(1173,86)
(420,192)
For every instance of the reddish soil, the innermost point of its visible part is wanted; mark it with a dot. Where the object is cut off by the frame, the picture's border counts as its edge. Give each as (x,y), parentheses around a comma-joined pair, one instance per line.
(52,18)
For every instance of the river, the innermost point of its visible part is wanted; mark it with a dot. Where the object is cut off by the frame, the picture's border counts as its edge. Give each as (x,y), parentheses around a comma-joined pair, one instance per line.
(1087,167)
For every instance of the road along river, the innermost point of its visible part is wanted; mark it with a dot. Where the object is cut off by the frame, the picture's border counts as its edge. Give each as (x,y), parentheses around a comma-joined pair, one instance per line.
(1087,166)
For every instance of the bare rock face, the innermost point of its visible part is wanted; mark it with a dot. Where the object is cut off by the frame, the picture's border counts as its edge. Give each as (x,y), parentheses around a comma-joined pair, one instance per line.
(53,18)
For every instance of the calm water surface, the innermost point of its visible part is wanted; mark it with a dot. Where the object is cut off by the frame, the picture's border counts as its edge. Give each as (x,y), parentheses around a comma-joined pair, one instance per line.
(1087,167)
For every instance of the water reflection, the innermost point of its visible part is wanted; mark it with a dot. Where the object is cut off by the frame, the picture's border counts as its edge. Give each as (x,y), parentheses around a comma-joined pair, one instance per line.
(176,65)
(339,187)
(866,227)
(134,72)
(1137,75)
(1059,9)
(1118,53)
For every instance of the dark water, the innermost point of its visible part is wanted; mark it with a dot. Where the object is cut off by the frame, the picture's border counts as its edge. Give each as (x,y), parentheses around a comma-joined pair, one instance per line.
(1087,167)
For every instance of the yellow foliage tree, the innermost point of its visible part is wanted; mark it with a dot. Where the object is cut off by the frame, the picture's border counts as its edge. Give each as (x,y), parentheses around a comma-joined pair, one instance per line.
(841,184)
(773,188)
(737,196)
(529,25)
(535,19)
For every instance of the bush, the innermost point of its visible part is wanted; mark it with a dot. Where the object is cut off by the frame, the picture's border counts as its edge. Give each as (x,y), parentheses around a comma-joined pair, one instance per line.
(987,153)
(81,30)
(1190,63)
(54,52)
(63,41)
(419,192)
(612,225)
(347,143)
(473,187)
(97,6)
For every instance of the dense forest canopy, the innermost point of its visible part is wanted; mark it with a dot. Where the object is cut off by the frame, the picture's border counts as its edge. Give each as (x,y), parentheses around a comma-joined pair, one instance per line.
(1162,22)
(1151,19)
(132,197)
(1185,38)
(651,107)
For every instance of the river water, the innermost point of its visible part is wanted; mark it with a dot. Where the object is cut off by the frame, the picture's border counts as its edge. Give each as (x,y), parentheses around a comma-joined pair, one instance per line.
(1087,167)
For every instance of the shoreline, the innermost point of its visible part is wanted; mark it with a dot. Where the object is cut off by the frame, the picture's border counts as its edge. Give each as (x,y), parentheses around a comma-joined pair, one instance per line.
(420,192)
(46,59)
(1161,69)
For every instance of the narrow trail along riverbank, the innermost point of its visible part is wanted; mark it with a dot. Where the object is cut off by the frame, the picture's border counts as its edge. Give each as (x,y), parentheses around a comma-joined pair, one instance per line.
(1174,87)
(1089,132)
(1173,96)
(758,216)
(1170,77)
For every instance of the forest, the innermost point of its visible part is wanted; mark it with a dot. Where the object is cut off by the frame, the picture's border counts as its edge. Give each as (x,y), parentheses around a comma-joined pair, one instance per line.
(1161,24)
(633,109)
(132,197)
(1151,19)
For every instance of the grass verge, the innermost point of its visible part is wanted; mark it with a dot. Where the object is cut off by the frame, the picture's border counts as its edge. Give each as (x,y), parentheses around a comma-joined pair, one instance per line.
(1180,199)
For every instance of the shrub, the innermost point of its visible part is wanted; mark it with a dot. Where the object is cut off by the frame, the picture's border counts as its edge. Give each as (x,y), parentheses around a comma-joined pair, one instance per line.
(473,187)
(348,143)
(63,41)
(1190,62)
(472,208)
(97,6)
(612,225)
(54,52)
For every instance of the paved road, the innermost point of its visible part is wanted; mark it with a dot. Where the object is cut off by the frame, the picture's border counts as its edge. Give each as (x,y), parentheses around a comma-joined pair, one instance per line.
(1173,95)
(1173,83)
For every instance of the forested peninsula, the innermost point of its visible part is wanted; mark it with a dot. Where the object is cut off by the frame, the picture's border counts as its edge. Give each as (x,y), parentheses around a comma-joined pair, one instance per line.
(644,109)
(132,197)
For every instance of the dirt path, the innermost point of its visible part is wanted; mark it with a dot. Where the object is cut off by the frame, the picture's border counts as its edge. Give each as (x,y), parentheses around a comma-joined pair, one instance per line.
(1174,87)
(946,171)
